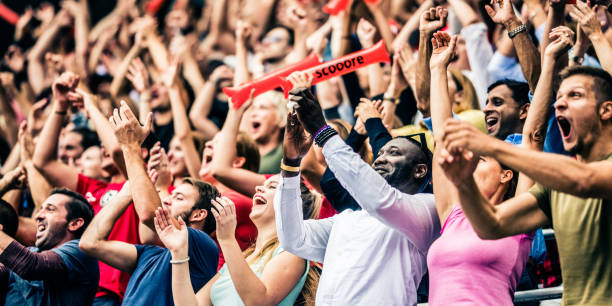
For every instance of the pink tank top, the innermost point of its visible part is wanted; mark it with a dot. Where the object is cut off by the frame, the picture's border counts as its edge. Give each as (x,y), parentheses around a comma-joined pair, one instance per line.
(466,270)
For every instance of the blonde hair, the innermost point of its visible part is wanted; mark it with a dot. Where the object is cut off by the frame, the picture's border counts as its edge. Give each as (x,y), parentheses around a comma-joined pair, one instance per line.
(469,99)
(312,202)
(278,99)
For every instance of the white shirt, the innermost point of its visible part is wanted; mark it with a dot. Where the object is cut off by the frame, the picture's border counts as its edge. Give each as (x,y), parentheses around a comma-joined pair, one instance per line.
(479,54)
(376,256)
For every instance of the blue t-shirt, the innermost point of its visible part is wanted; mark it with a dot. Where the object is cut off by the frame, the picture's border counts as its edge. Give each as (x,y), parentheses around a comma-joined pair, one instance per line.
(77,288)
(151,281)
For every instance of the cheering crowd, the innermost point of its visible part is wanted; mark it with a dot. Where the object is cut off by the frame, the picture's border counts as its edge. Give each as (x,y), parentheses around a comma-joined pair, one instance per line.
(142,163)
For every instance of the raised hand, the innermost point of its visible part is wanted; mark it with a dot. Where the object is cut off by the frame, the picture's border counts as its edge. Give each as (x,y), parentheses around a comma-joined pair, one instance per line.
(586,17)
(561,41)
(459,167)
(14,179)
(308,109)
(64,91)
(173,235)
(296,142)
(501,12)
(443,50)
(138,75)
(365,33)
(169,76)
(243,31)
(127,128)
(26,143)
(432,20)
(225,217)
(367,109)
(459,136)
(158,167)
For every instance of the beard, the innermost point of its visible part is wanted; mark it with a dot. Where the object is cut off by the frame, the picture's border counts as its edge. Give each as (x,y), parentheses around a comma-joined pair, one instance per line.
(54,235)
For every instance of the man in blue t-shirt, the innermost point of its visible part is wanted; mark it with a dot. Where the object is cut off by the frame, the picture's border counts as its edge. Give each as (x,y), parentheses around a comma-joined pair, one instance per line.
(150,265)
(56,271)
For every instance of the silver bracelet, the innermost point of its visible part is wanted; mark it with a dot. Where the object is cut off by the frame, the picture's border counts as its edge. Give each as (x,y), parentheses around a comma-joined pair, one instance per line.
(179,261)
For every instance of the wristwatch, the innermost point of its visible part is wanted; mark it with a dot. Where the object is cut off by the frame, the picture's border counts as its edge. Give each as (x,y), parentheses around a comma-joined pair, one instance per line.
(517,30)
(391,99)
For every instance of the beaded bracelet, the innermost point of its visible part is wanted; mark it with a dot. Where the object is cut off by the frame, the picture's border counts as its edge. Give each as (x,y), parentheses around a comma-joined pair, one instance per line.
(324,135)
(321,130)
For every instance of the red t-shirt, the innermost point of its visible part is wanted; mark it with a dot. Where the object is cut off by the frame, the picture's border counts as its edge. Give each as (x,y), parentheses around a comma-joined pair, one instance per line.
(246,232)
(98,193)
(326,209)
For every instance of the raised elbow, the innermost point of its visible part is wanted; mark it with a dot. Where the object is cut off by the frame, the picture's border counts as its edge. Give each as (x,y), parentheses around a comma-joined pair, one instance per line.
(87,246)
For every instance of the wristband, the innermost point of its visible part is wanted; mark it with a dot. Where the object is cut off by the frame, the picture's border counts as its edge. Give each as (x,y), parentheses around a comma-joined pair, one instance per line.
(322,136)
(179,261)
(64,113)
(283,166)
(517,31)
(390,99)
(320,130)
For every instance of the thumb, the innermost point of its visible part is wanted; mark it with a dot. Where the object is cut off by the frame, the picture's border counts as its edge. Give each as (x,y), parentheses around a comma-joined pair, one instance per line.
(148,125)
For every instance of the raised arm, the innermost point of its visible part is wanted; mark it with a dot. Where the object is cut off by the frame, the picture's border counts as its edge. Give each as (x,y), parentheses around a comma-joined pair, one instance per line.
(241,180)
(554,171)
(430,21)
(130,136)
(529,57)
(587,18)
(35,56)
(243,32)
(411,215)
(45,155)
(279,275)
(441,110)
(204,100)
(182,129)
(119,77)
(365,33)
(518,215)
(95,243)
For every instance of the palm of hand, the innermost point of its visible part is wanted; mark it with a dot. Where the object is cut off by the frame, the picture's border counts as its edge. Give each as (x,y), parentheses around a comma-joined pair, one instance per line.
(503,13)
(174,238)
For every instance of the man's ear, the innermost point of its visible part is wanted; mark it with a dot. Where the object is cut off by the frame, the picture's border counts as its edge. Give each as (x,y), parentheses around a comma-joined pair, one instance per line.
(198,215)
(605,110)
(239,162)
(523,110)
(75,224)
(420,171)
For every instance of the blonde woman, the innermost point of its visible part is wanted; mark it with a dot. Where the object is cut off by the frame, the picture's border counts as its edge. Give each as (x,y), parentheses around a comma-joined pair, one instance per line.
(262,275)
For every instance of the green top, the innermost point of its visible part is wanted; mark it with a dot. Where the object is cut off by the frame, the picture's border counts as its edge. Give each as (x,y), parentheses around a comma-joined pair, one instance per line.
(270,163)
(224,293)
(583,229)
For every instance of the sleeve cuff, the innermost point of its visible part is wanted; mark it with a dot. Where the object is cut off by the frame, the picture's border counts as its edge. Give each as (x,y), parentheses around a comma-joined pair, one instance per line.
(290,182)
(374,126)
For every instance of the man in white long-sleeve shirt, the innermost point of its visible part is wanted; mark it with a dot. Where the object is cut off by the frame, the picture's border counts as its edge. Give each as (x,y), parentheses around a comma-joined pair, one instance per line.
(376,256)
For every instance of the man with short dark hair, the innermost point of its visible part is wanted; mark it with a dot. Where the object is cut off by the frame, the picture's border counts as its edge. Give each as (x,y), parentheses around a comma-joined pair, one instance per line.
(74,142)
(574,195)
(56,271)
(150,265)
(506,108)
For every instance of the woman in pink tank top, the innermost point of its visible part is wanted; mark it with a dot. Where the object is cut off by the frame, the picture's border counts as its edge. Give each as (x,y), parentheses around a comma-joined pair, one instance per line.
(463,268)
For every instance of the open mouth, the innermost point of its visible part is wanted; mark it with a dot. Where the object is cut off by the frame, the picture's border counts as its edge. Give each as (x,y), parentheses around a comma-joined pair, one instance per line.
(491,122)
(255,125)
(380,170)
(564,126)
(259,200)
